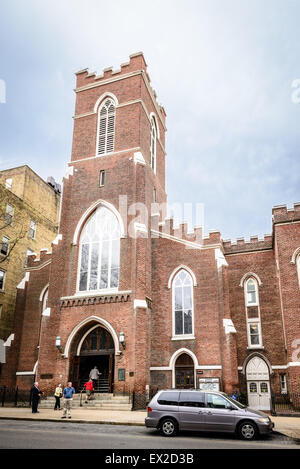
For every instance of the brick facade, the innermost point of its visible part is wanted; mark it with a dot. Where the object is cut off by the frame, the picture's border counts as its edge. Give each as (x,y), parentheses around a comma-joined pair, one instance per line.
(152,253)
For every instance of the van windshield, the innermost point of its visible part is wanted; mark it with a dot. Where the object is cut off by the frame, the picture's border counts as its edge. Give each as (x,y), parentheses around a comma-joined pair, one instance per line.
(235,402)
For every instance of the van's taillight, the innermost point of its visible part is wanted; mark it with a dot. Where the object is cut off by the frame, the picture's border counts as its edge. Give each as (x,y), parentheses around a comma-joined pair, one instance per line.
(149,409)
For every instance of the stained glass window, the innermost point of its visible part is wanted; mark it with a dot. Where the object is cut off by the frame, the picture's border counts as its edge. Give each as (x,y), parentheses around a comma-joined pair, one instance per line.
(183,303)
(100,252)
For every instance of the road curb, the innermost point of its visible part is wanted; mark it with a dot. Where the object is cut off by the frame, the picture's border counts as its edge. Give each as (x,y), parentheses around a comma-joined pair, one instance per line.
(72,420)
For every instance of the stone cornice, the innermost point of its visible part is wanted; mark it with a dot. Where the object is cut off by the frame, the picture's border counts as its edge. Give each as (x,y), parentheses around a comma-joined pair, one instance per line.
(95,299)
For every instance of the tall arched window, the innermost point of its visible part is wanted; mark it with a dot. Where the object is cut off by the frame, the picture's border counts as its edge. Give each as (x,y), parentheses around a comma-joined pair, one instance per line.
(153,144)
(183,310)
(106,127)
(254,332)
(298,268)
(99,256)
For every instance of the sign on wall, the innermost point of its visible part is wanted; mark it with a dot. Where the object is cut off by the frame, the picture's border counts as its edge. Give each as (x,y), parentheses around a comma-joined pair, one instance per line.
(209,384)
(121,374)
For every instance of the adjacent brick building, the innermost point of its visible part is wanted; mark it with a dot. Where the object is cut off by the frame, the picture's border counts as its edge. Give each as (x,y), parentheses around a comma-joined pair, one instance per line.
(150,305)
(29,212)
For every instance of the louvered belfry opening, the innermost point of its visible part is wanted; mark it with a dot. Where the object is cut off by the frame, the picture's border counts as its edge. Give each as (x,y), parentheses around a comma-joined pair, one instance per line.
(107,114)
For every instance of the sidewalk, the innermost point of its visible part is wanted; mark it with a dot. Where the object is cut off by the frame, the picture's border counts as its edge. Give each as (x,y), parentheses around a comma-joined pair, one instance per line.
(289,426)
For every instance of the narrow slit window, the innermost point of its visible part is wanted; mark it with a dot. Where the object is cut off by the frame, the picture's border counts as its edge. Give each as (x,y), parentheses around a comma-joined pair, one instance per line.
(101,178)
(153,136)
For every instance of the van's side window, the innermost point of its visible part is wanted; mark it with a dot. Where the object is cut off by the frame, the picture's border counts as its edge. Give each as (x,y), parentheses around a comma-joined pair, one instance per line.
(192,399)
(168,398)
(217,402)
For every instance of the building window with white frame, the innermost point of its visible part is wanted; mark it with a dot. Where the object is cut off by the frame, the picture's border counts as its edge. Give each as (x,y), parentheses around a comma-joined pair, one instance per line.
(251,289)
(4,245)
(9,214)
(106,127)
(32,229)
(2,279)
(254,333)
(8,183)
(153,136)
(183,309)
(253,313)
(283,384)
(99,255)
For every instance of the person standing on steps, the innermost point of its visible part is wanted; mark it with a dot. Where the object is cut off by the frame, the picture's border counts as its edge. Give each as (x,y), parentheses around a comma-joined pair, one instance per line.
(88,386)
(68,393)
(94,375)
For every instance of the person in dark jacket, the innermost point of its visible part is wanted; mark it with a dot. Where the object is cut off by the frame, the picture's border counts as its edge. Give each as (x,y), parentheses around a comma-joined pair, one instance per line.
(35,397)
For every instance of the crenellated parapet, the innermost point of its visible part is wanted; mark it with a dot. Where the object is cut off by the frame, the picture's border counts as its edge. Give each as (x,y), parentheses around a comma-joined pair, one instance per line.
(167,229)
(136,65)
(254,244)
(282,214)
(35,262)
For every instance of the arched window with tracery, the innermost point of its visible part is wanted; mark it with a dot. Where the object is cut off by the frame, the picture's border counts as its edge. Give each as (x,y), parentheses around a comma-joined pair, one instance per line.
(99,255)
(106,126)
(183,309)
(251,292)
(153,136)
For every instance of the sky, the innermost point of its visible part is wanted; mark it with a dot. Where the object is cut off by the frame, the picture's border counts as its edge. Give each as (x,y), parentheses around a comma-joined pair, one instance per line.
(226,71)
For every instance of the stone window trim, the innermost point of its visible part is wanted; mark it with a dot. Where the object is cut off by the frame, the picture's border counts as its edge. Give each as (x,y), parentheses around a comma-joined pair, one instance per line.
(89,211)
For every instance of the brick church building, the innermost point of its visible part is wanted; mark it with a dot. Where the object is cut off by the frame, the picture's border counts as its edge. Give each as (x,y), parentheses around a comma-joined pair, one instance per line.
(152,306)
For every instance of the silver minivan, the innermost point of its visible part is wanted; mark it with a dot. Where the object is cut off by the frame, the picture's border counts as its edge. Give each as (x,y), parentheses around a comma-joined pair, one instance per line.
(178,409)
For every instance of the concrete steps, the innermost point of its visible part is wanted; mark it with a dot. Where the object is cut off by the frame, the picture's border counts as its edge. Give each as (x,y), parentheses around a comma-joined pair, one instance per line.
(99,401)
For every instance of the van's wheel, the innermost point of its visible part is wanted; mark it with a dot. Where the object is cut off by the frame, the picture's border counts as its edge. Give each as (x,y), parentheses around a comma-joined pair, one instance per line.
(168,427)
(247,430)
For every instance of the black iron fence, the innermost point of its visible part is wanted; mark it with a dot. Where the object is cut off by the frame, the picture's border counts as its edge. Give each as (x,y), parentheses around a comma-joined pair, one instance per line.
(285,403)
(14,397)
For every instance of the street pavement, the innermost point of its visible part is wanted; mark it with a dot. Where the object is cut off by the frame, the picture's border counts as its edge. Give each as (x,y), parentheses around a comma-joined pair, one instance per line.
(289,426)
(108,440)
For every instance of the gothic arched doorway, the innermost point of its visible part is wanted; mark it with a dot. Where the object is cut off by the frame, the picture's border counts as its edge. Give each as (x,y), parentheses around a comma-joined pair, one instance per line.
(184,372)
(258,384)
(96,348)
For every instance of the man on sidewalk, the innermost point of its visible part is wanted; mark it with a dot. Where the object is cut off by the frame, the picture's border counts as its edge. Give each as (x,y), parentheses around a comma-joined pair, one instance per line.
(68,398)
(35,397)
